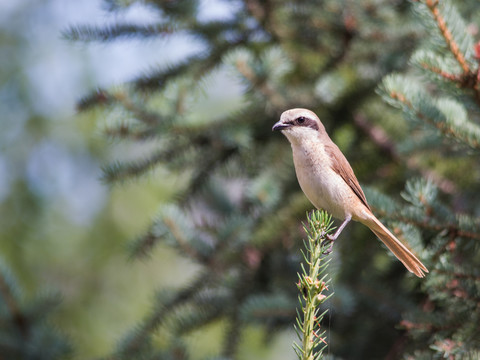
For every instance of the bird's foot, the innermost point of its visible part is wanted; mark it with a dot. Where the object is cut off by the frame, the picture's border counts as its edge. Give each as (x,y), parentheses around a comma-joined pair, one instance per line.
(329,240)
(328,251)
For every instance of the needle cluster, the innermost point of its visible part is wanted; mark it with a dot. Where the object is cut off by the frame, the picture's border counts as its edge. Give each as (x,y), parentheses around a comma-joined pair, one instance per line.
(313,286)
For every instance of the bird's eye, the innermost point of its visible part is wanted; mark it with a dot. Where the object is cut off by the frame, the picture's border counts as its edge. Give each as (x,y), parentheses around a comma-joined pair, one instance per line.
(301,120)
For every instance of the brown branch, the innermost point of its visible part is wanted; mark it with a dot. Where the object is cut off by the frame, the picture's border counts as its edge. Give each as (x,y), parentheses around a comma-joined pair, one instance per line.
(182,241)
(447,35)
(12,305)
(441,126)
(465,80)
(469,78)
(442,73)
(143,115)
(8,297)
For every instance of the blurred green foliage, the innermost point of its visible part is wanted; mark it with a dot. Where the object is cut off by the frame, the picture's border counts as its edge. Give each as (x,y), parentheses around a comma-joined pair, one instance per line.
(193,251)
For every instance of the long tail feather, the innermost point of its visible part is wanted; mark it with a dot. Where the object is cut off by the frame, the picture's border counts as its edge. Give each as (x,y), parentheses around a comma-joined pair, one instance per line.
(403,254)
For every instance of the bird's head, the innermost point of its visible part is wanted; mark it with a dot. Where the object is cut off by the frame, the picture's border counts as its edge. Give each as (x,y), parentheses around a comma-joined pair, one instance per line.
(299,125)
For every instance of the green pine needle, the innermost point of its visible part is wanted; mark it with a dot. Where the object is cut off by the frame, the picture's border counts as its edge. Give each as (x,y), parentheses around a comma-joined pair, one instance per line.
(313,284)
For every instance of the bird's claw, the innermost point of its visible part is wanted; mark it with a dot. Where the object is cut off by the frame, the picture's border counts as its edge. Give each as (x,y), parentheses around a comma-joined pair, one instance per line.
(328,251)
(329,240)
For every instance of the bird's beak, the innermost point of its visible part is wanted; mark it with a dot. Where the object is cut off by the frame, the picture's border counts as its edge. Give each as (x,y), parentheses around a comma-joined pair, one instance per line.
(280,126)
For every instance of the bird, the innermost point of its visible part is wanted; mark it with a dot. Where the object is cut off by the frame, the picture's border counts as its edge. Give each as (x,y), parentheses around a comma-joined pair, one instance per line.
(328,181)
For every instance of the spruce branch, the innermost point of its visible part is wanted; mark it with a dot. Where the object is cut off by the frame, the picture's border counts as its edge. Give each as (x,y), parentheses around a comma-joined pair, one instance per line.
(432,6)
(147,117)
(95,98)
(131,132)
(426,212)
(443,67)
(440,72)
(121,171)
(453,31)
(8,297)
(181,240)
(25,328)
(446,115)
(166,304)
(115,32)
(385,143)
(444,127)
(313,283)
(199,65)
(266,90)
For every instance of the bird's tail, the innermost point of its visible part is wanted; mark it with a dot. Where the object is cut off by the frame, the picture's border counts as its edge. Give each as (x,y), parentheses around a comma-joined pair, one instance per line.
(397,247)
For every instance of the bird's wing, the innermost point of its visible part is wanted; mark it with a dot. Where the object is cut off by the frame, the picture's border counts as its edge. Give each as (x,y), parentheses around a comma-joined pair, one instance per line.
(341,166)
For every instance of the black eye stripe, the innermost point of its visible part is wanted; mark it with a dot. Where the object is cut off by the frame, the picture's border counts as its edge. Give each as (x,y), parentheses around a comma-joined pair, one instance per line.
(305,122)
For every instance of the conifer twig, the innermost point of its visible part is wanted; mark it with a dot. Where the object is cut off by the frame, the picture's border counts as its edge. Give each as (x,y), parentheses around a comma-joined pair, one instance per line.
(442,126)
(313,283)
(268,91)
(442,73)
(382,140)
(469,77)
(12,305)
(447,35)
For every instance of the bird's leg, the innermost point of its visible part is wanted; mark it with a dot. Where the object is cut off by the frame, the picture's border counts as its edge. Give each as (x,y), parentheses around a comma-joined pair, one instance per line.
(340,229)
(332,238)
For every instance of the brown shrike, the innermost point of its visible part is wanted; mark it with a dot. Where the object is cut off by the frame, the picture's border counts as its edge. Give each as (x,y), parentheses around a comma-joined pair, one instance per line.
(328,181)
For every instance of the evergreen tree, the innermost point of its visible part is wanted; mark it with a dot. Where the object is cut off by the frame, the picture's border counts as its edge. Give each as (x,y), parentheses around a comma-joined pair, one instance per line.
(25,329)
(442,112)
(237,212)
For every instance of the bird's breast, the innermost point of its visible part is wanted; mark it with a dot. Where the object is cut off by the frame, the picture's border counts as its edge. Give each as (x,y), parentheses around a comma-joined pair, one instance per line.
(321,184)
